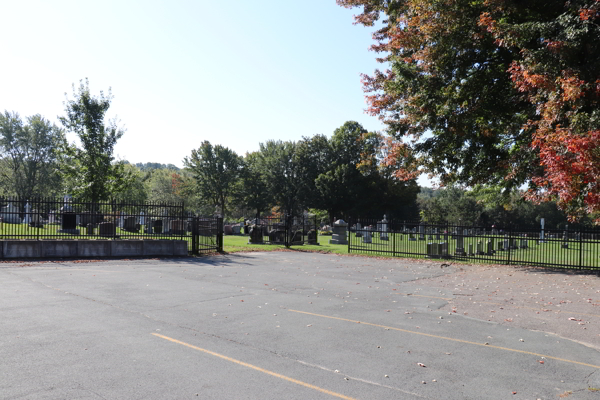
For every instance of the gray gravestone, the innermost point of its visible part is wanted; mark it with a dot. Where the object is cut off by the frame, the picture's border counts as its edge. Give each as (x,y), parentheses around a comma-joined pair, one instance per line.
(10,214)
(460,246)
(339,232)
(367,236)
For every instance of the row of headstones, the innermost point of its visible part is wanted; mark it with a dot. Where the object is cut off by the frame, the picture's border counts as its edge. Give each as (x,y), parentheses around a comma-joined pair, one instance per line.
(70,222)
(10,214)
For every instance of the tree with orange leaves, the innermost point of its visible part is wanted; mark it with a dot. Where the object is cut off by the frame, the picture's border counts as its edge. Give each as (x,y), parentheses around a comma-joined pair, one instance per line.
(491,92)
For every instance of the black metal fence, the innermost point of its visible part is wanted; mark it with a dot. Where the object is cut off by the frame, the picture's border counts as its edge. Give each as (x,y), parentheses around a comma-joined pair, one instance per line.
(288,231)
(576,249)
(69,218)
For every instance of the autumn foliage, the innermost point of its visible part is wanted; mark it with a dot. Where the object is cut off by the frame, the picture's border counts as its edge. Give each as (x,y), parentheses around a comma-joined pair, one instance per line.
(491,92)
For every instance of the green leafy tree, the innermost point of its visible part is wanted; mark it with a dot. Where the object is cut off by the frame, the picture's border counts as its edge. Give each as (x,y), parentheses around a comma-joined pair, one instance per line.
(217,170)
(137,189)
(492,92)
(29,155)
(92,175)
(453,205)
(314,157)
(351,183)
(253,191)
(280,168)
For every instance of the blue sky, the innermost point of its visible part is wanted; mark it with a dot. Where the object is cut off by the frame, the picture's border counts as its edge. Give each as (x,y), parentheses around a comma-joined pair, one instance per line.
(234,73)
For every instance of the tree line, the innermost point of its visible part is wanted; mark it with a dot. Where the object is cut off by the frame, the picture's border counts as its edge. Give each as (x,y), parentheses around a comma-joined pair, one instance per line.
(346,175)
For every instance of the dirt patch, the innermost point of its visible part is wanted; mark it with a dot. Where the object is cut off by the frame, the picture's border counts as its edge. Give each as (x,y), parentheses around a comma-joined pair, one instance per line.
(565,303)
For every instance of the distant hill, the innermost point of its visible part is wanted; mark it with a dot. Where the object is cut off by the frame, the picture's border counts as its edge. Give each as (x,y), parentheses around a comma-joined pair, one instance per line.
(152,165)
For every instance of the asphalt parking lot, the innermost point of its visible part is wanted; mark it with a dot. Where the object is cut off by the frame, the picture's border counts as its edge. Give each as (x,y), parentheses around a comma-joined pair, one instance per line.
(294,325)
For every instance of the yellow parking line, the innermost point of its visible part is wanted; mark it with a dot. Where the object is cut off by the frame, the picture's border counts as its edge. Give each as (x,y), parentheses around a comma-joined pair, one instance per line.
(447,338)
(254,367)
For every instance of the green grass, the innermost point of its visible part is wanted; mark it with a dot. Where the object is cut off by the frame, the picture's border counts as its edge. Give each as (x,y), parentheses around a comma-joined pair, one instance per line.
(547,253)
(234,244)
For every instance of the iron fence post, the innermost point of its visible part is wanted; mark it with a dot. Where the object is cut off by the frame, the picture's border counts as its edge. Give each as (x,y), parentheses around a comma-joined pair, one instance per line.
(219,234)
(394,233)
(509,243)
(349,233)
(580,249)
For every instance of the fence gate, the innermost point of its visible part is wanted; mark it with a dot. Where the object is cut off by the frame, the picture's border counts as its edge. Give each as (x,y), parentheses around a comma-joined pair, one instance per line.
(207,235)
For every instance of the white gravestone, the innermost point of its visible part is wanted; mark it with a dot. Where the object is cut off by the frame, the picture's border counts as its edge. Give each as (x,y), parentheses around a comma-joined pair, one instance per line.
(384,234)
(27,218)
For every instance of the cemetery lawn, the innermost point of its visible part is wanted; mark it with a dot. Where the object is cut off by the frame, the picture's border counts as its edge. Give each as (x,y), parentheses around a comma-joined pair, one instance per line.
(550,252)
(235,243)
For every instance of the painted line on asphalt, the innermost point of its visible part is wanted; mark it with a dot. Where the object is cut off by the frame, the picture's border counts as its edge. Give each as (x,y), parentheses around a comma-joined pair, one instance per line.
(254,367)
(447,338)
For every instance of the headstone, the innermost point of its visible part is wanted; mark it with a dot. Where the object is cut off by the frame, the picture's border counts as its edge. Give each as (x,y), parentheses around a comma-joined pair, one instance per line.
(384,229)
(542,221)
(339,232)
(69,223)
(565,244)
(460,246)
(411,237)
(433,250)
(148,227)
(27,217)
(367,236)
(52,217)
(358,231)
(130,225)
(142,218)
(90,229)
(471,249)
(36,221)
(421,232)
(506,244)
(236,229)
(157,226)
(444,249)
(500,245)
(312,237)
(10,214)
(490,248)
(178,227)
(107,229)
(524,244)
(277,234)
(480,248)
(256,235)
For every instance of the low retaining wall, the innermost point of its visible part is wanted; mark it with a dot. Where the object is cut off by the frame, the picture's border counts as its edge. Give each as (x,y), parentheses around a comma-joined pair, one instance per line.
(48,248)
